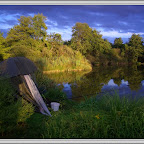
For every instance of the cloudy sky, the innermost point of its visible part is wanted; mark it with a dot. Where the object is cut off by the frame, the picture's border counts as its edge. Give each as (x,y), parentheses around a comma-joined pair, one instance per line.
(111,21)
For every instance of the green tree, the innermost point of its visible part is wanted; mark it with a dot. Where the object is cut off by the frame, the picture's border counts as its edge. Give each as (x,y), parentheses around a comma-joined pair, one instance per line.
(106,47)
(134,49)
(1,46)
(118,43)
(96,39)
(39,26)
(54,38)
(24,30)
(136,41)
(81,37)
(68,43)
(3,49)
(88,41)
(27,36)
(1,40)
(131,54)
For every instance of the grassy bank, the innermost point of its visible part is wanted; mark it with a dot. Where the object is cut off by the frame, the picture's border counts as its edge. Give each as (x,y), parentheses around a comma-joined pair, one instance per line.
(109,117)
(105,117)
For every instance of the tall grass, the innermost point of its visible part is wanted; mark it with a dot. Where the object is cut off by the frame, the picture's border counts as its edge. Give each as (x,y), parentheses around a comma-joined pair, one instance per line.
(63,59)
(107,117)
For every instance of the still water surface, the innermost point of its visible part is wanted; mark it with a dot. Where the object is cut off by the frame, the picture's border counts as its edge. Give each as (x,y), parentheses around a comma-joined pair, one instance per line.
(124,80)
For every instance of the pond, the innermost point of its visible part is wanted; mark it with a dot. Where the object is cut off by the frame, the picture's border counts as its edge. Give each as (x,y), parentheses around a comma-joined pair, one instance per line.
(124,80)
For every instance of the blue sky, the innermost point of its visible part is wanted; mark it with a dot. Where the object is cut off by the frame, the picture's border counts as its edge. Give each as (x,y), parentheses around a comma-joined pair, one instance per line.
(111,21)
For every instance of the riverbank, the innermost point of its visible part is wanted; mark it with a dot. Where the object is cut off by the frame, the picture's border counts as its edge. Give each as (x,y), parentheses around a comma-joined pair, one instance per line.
(67,70)
(108,116)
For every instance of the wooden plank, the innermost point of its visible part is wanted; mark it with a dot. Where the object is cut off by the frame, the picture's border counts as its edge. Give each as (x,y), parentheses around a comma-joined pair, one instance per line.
(36,95)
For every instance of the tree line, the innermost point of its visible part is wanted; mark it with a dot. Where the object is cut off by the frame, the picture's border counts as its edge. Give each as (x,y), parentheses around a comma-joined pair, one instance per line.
(29,37)
(90,42)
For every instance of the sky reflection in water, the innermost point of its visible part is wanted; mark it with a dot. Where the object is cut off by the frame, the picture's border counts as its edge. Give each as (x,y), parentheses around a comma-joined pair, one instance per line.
(110,88)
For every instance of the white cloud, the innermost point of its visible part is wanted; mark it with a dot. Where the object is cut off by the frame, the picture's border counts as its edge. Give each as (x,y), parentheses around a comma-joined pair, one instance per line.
(123,23)
(98,24)
(113,34)
(66,32)
(4,17)
(31,14)
(51,22)
(6,26)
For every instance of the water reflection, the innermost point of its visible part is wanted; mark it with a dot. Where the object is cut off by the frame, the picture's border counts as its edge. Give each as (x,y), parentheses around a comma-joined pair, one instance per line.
(126,80)
(67,90)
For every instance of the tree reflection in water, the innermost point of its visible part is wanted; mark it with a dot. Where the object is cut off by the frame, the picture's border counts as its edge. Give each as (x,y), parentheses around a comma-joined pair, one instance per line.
(79,84)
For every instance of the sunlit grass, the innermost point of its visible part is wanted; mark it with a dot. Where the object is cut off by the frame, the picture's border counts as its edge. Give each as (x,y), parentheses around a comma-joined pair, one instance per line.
(107,117)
